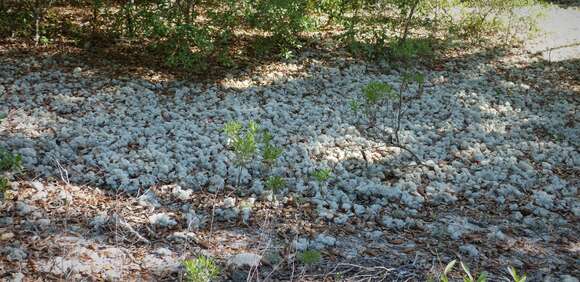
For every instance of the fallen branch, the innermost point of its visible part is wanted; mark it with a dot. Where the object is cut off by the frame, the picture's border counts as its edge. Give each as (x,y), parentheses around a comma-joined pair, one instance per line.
(119,221)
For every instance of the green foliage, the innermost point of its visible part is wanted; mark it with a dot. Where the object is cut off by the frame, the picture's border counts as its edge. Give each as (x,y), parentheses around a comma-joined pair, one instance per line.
(201,269)
(8,163)
(192,34)
(411,49)
(281,18)
(270,152)
(444,276)
(309,257)
(413,78)
(233,128)
(275,183)
(4,185)
(186,46)
(470,278)
(373,97)
(244,142)
(322,175)
(481,17)
(514,274)
(375,92)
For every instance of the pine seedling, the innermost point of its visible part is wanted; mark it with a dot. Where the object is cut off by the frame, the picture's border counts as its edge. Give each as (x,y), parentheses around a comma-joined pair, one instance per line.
(232,129)
(374,94)
(309,257)
(322,175)
(270,152)
(9,161)
(275,183)
(244,143)
(419,78)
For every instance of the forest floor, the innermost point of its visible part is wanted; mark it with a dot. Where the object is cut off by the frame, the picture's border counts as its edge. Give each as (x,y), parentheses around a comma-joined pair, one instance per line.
(496,131)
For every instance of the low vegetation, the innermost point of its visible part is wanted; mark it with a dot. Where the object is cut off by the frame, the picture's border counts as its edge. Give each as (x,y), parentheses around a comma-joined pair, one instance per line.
(467,275)
(9,164)
(193,35)
(201,269)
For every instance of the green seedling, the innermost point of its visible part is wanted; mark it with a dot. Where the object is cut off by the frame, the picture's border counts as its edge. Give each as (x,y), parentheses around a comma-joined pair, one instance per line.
(373,96)
(322,175)
(270,152)
(470,278)
(244,143)
(4,185)
(275,183)
(375,92)
(201,269)
(444,276)
(309,257)
(514,274)
(419,78)
(8,163)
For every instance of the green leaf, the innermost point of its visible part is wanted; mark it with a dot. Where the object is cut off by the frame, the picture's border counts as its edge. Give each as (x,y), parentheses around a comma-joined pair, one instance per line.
(466,270)
(513,272)
(449,267)
(482,277)
(253,127)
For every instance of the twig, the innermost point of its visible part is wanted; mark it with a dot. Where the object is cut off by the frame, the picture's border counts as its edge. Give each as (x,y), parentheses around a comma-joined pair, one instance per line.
(118,220)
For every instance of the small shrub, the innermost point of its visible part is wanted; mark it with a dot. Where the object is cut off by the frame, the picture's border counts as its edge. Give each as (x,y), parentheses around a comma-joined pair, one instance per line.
(188,46)
(484,17)
(270,152)
(283,19)
(201,269)
(411,49)
(9,161)
(374,95)
(321,176)
(244,142)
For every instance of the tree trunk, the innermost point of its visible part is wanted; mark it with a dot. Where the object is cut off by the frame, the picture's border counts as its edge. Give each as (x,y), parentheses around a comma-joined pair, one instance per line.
(408,21)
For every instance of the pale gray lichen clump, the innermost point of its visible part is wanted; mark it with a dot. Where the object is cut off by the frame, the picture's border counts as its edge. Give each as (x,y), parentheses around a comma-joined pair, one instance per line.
(476,141)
